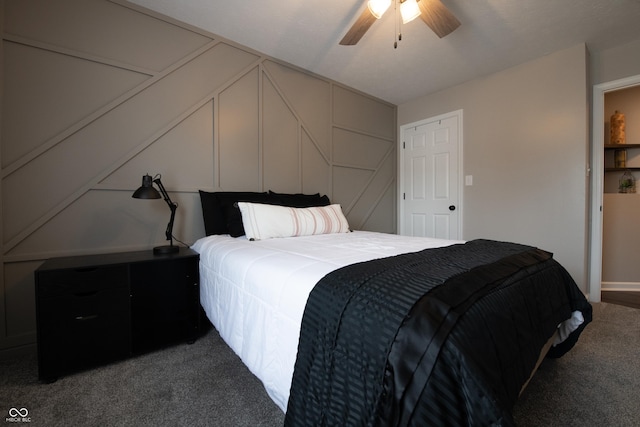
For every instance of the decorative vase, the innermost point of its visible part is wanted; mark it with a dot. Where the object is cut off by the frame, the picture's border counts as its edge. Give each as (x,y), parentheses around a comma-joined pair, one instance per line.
(617,126)
(620,158)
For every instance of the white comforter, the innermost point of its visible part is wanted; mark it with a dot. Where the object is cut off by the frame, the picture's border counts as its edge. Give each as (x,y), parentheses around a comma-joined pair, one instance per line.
(254,292)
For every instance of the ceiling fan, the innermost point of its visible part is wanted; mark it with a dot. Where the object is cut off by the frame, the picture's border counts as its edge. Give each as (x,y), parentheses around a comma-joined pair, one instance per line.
(432,12)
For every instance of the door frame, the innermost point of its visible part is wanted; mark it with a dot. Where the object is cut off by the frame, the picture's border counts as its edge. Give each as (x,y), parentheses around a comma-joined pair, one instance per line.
(460,205)
(597,180)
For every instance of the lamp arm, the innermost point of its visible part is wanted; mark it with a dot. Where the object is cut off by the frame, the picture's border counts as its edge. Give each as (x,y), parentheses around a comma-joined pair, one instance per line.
(172,206)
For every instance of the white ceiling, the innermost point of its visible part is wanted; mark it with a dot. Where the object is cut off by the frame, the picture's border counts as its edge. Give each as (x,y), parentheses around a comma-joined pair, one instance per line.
(494,35)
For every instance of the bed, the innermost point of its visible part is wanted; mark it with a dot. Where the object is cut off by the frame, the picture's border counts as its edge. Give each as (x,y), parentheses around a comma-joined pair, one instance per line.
(333,323)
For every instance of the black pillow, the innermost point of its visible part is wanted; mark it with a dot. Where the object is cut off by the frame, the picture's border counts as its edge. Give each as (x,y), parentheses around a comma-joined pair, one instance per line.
(229,203)
(219,213)
(300,200)
(214,221)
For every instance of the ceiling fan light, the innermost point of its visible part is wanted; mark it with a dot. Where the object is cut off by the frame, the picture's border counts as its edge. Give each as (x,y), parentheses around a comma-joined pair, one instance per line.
(409,10)
(379,7)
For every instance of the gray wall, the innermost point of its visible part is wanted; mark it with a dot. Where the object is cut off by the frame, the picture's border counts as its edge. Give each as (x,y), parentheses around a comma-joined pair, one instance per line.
(615,63)
(526,145)
(98,93)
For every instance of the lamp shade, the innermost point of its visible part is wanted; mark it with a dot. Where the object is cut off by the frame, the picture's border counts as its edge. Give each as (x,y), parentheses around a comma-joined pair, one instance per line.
(146,191)
(409,10)
(378,7)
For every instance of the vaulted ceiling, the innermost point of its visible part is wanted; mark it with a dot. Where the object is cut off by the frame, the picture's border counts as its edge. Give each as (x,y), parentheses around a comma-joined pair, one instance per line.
(494,35)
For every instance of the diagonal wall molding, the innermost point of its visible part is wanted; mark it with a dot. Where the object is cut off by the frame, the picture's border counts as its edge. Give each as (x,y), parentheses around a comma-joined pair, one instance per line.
(197,116)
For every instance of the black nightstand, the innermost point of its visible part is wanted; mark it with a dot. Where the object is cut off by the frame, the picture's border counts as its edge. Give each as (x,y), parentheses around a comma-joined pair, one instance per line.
(96,309)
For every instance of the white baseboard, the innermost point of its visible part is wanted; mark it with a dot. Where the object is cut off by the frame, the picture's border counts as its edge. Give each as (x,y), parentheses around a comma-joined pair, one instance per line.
(621,286)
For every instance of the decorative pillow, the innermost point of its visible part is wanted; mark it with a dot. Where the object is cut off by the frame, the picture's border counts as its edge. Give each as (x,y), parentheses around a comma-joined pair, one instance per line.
(268,221)
(219,213)
(300,200)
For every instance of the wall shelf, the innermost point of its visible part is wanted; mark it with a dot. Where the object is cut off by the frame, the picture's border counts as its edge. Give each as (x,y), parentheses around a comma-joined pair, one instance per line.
(620,146)
(614,147)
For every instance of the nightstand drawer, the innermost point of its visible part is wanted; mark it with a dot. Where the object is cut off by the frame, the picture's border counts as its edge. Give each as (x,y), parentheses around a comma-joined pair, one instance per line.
(76,343)
(84,304)
(81,280)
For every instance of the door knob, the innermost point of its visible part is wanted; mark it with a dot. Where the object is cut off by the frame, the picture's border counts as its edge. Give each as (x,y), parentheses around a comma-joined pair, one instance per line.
(452,208)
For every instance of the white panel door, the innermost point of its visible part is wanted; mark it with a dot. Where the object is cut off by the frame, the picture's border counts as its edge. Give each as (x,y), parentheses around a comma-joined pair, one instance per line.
(430,193)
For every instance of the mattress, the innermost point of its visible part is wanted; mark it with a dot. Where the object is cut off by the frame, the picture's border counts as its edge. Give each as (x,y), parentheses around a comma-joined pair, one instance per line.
(255,292)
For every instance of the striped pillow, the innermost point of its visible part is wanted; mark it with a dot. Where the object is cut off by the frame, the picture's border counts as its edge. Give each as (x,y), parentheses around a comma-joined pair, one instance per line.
(263,221)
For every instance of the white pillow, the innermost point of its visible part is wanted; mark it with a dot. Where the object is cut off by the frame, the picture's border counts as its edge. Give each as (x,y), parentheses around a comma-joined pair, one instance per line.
(261,221)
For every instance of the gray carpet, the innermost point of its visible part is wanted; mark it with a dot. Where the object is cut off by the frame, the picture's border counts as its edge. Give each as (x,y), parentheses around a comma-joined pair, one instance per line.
(596,383)
(205,384)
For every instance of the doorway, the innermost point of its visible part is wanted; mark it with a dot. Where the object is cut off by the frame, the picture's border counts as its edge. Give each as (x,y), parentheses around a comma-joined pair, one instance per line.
(430,177)
(597,182)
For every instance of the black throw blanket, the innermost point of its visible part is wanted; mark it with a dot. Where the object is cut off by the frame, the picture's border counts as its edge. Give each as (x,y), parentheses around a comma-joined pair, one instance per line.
(444,336)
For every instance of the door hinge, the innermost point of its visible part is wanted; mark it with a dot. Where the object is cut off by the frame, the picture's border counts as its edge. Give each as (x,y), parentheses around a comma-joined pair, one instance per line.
(403,145)
(403,196)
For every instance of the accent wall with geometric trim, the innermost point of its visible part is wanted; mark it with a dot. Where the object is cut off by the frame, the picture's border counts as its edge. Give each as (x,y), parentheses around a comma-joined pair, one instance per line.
(97,93)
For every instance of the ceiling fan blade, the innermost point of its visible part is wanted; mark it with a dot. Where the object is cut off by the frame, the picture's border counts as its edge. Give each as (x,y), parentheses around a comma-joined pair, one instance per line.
(438,17)
(357,30)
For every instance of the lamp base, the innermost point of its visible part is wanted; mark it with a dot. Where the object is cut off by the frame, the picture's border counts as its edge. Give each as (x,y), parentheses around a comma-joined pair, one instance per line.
(166,250)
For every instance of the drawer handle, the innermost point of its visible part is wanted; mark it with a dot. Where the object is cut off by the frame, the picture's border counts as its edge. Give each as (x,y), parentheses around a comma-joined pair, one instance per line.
(85,318)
